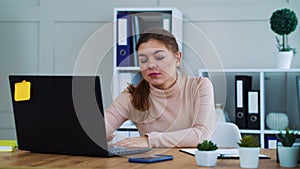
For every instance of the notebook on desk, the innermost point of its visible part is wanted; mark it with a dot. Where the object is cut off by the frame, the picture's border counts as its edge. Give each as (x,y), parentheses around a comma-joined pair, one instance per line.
(232,153)
(61,115)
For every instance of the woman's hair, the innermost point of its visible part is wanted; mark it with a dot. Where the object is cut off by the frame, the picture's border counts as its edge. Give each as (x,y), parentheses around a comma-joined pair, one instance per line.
(140,93)
(161,35)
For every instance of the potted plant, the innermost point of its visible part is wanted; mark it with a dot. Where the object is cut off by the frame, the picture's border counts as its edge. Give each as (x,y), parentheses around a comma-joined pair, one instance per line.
(287,153)
(249,148)
(283,22)
(207,153)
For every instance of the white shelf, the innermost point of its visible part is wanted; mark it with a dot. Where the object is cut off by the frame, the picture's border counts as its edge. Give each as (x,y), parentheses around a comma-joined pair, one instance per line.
(131,68)
(170,18)
(249,70)
(246,131)
(262,77)
(277,131)
(166,17)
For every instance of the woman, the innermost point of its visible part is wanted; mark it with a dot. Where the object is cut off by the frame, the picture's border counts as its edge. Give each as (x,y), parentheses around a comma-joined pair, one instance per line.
(168,108)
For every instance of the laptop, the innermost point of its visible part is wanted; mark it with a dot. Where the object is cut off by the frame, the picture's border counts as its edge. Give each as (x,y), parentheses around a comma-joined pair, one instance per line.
(61,115)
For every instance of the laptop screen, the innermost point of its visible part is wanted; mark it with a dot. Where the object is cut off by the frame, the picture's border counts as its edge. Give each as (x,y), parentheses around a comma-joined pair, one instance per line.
(59,114)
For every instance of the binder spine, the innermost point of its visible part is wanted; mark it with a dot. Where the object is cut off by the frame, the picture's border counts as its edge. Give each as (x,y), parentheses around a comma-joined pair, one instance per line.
(242,86)
(124,48)
(135,37)
(253,121)
(166,22)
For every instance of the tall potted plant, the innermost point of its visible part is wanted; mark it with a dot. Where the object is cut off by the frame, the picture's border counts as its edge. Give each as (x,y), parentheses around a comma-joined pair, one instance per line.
(249,149)
(283,22)
(287,153)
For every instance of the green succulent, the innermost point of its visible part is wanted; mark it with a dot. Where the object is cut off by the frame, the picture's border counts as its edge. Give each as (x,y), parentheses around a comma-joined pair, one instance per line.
(249,141)
(207,146)
(287,139)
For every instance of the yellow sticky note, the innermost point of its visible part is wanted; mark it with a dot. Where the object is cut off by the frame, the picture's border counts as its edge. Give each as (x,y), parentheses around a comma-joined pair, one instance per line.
(8,145)
(22,91)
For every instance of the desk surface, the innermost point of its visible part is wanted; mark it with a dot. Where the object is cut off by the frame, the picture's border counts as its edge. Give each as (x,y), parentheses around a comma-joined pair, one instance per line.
(24,160)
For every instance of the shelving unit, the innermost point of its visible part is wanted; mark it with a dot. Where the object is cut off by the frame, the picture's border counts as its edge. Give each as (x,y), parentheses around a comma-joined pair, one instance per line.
(128,23)
(278,92)
(131,22)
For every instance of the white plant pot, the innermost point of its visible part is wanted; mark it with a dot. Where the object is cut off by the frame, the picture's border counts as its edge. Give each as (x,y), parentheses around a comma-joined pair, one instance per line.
(284,59)
(288,156)
(206,158)
(249,157)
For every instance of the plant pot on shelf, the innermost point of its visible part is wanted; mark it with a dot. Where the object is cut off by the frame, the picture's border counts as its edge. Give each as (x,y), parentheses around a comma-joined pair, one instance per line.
(284,59)
(283,22)
(288,156)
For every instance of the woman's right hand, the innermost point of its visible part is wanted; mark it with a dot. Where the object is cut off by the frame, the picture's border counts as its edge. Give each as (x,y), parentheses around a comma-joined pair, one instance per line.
(110,137)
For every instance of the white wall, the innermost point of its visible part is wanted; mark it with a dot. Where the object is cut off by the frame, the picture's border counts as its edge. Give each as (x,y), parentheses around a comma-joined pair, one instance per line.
(239,31)
(46,36)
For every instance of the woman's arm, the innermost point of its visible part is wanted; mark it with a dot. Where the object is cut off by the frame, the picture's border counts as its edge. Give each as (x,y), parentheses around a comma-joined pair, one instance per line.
(116,114)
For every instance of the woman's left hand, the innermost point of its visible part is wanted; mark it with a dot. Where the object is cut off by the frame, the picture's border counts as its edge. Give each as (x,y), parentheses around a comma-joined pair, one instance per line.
(134,142)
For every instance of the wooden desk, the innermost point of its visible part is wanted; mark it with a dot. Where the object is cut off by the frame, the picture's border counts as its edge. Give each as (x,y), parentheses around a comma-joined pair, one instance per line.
(24,160)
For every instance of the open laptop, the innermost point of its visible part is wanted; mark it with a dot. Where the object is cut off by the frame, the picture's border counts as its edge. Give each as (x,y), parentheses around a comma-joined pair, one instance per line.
(61,115)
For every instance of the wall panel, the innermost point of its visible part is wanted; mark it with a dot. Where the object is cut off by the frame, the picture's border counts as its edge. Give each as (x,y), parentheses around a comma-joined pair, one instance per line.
(69,39)
(19,3)
(19,55)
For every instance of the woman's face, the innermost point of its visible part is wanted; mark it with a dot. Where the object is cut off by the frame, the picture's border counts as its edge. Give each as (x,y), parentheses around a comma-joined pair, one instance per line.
(158,63)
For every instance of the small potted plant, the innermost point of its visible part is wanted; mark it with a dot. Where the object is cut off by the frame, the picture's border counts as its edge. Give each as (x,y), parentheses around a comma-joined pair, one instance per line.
(283,22)
(249,148)
(207,153)
(287,153)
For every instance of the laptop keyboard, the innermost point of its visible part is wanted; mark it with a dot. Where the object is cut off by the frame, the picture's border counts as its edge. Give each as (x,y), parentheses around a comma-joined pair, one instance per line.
(115,150)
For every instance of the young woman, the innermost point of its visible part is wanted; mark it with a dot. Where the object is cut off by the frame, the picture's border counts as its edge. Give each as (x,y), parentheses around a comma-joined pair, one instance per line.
(168,108)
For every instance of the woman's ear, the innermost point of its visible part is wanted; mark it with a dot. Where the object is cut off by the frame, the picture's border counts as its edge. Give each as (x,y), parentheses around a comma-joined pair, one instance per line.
(178,57)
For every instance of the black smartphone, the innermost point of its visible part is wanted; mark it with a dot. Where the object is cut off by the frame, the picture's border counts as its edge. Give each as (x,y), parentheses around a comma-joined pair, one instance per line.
(151,159)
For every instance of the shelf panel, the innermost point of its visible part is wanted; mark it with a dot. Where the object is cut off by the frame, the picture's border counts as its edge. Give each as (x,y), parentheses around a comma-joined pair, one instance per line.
(245,131)
(169,18)
(250,70)
(127,68)
(267,81)
(277,131)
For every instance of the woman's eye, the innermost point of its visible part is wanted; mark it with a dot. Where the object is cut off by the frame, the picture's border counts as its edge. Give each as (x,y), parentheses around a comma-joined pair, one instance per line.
(143,60)
(160,57)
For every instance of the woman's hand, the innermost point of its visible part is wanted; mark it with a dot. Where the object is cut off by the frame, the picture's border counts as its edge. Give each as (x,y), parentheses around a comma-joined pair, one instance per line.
(110,137)
(134,142)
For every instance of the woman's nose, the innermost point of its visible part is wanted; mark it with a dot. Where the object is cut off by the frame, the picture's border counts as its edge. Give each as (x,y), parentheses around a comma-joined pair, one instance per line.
(152,65)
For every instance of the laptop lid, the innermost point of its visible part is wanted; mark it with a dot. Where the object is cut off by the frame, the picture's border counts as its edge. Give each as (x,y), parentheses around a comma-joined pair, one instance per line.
(59,114)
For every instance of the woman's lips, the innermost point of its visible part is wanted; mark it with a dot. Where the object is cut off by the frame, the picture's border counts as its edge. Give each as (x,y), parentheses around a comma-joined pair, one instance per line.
(154,74)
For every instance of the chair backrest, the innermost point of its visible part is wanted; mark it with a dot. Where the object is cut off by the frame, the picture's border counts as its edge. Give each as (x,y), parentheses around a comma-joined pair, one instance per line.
(226,135)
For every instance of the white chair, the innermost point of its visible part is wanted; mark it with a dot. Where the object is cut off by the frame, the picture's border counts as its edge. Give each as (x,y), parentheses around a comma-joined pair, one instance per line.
(226,135)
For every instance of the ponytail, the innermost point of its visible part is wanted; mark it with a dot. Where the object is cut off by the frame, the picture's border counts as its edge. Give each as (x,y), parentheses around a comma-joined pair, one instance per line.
(140,95)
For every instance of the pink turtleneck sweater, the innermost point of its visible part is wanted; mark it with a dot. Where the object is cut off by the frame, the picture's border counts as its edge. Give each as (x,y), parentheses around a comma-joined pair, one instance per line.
(181,116)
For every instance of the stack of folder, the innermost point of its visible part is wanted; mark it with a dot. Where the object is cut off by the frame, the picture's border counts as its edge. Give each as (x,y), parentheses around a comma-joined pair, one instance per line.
(247,103)
(129,27)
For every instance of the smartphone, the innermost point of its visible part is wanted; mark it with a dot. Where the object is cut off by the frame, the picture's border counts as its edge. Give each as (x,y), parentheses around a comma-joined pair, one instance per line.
(150,159)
